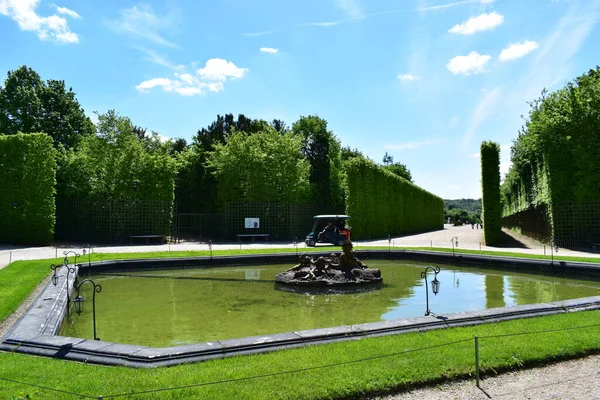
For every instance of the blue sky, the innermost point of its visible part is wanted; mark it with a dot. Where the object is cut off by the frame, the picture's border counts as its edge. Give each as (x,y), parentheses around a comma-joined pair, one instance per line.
(424,80)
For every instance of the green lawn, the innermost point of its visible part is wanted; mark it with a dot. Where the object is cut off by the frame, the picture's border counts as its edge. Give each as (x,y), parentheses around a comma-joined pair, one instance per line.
(350,369)
(233,252)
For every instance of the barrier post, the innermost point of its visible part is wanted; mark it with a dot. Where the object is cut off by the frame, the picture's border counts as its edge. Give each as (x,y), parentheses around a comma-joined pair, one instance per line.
(477,360)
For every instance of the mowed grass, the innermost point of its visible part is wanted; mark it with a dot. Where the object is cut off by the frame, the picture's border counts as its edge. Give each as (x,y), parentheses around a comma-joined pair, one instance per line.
(353,369)
(326,249)
(17,281)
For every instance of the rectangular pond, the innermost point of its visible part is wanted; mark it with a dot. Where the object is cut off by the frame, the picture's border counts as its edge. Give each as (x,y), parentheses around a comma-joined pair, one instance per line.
(162,308)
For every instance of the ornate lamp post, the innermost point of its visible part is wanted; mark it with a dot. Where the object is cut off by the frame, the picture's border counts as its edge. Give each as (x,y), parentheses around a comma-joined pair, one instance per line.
(210,248)
(79,300)
(66,259)
(553,249)
(89,253)
(295,243)
(70,270)
(454,241)
(389,243)
(435,285)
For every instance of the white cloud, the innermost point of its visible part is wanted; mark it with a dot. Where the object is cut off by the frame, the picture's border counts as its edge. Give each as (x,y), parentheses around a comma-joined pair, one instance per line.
(156,58)
(407,77)
(410,145)
(484,109)
(476,155)
(208,79)
(254,34)
(217,69)
(269,50)
(141,21)
(350,7)
(447,5)
(453,187)
(481,22)
(486,1)
(557,49)
(474,63)
(360,17)
(518,50)
(53,28)
(66,11)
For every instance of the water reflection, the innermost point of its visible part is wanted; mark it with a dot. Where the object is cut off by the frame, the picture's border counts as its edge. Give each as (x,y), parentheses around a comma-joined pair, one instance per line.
(166,308)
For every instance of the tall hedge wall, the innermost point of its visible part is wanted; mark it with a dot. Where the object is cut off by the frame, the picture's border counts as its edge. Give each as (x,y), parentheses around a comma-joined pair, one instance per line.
(381,203)
(28,181)
(556,164)
(490,189)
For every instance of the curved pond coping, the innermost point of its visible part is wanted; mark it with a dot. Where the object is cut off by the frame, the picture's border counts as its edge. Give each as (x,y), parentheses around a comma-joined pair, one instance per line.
(36,331)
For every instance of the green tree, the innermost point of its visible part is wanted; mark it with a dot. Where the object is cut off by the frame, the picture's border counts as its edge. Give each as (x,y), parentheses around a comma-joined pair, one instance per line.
(114,163)
(348,153)
(323,152)
(387,159)
(399,169)
(264,166)
(30,105)
(196,185)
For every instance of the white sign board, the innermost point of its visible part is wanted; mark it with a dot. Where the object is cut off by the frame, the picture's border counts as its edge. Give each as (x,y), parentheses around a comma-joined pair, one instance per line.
(252,223)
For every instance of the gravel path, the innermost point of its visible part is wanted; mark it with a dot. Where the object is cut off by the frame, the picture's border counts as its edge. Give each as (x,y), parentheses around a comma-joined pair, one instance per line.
(576,379)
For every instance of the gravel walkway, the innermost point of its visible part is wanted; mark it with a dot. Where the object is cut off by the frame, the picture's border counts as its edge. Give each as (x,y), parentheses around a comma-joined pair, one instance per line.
(576,379)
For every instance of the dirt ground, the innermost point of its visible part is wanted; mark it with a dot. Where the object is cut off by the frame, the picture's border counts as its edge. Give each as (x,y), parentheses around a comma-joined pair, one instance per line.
(576,379)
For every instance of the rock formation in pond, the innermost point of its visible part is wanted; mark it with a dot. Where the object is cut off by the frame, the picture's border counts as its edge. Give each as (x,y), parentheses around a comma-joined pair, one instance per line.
(330,271)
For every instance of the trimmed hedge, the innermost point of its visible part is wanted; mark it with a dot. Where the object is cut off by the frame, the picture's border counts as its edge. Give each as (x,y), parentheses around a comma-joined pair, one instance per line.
(490,189)
(28,181)
(382,203)
(556,164)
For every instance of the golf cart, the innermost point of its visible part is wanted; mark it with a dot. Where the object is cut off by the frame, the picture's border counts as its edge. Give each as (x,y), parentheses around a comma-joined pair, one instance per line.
(329,229)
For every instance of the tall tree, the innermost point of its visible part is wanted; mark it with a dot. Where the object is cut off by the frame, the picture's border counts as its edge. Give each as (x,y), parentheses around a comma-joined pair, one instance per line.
(264,166)
(30,105)
(196,185)
(115,164)
(399,169)
(387,159)
(322,150)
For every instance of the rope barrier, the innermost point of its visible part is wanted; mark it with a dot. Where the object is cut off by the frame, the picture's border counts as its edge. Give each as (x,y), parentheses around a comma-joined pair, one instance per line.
(48,388)
(536,332)
(286,372)
(297,370)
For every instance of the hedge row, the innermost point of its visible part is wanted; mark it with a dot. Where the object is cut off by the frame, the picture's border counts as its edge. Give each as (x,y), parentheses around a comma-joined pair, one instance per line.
(28,180)
(490,189)
(556,162)
(381,203)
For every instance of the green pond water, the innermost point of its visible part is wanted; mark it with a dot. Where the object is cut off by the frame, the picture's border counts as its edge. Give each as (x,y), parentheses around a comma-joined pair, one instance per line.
(176,307)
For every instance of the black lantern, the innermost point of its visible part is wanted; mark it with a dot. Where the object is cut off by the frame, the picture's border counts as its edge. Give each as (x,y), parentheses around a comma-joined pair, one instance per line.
(88,252)
(78,300)
(435,285)
(79,304)
(454,241)
(55,279)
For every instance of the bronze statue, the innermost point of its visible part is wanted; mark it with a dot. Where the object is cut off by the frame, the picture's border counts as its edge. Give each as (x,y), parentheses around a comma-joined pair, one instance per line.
(332,270)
